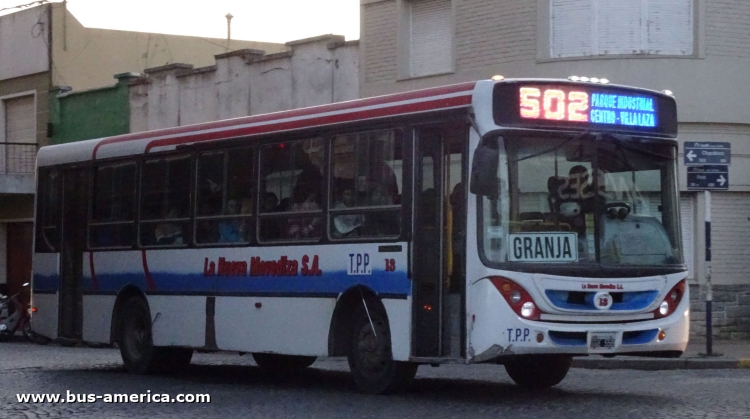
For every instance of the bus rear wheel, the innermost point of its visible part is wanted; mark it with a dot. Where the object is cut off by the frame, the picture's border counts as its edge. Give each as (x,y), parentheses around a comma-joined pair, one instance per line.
(278,363)
(538,371)
(136,345)
(370,358)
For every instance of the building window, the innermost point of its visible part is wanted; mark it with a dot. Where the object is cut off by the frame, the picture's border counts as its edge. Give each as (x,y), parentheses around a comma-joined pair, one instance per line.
(614,27)
(18,130)
(427,27)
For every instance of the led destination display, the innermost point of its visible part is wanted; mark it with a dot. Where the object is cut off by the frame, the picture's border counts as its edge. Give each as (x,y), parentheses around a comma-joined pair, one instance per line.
(580,106)
(601,107)
(622,110)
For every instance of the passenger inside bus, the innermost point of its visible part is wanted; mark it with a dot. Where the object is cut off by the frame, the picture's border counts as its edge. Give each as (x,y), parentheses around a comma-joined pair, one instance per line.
(304,201)
(169,233)
(346,225)
(231,231)
(383,223)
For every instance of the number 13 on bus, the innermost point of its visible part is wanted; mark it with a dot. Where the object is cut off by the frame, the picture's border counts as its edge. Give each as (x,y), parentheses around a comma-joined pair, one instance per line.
(518,222)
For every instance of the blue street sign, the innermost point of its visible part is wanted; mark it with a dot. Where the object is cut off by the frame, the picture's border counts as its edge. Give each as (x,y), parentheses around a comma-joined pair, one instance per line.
(701,178)
(704,152)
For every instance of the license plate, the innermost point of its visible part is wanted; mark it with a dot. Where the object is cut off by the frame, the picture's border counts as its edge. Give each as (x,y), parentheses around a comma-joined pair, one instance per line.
(602,341)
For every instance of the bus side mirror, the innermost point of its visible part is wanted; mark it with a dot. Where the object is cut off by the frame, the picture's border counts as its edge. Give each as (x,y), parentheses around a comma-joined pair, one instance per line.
(483,179)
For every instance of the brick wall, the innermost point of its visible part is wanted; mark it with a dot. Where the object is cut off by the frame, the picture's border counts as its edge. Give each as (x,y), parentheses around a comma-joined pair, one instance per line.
(730,311)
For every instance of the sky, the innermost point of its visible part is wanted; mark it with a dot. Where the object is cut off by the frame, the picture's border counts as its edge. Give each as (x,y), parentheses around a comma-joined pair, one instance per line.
(255,20)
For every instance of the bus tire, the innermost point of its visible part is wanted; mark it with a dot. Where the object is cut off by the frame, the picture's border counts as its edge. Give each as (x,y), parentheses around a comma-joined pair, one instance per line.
(136,344)
(370,358)
(538,371)
(282,364)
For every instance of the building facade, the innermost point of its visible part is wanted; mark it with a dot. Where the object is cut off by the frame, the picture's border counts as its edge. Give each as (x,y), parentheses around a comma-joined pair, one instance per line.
(699,49)
(314,71)
(44,51)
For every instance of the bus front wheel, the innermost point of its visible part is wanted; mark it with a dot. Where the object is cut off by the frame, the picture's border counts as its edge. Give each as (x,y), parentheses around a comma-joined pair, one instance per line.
(370,358)
(538,371)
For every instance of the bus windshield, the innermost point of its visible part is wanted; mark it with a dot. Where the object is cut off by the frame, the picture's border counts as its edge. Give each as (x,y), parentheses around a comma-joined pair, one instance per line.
(606,200)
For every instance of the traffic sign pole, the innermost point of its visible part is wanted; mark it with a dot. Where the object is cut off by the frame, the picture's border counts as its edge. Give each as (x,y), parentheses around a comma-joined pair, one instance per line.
(707,166)
(709,291)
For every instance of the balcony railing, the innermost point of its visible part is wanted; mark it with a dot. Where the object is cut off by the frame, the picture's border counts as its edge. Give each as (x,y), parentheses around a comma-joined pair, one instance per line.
(17,158)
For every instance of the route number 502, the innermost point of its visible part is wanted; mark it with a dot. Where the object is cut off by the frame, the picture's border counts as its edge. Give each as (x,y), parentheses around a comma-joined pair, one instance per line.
(554,104)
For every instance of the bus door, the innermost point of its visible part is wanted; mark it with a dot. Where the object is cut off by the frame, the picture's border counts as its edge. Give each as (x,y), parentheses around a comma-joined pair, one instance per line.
(439,242)
(73,244)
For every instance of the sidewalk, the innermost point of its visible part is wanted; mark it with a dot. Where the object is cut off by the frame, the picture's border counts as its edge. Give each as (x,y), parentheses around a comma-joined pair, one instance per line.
(727,354)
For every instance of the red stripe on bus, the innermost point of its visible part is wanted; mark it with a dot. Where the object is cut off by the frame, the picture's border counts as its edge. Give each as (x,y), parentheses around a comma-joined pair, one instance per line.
(426,93)
(326,120)
(149,280)
(94,281)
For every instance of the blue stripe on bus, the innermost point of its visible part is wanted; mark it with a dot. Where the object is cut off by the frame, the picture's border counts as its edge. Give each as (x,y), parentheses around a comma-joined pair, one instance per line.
(45,284)
(329,283)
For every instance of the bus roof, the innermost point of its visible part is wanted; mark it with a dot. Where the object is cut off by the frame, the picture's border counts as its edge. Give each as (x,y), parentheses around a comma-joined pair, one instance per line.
(412,102)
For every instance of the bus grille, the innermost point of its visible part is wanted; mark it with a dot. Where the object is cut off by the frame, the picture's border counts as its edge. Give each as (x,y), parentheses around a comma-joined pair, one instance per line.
(622,301)
(636,337)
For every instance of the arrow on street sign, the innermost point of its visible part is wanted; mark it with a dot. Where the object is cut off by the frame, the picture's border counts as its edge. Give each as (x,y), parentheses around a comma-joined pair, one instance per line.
(702,178)
(707,152)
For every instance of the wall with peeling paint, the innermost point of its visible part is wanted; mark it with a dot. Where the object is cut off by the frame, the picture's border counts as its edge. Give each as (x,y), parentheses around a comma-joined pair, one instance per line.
(314,71)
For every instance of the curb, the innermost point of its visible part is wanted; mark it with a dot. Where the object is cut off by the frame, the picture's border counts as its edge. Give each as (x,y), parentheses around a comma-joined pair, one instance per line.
(660,364)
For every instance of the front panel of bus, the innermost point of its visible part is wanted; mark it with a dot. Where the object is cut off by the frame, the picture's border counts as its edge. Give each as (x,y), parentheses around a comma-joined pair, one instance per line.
(577,233)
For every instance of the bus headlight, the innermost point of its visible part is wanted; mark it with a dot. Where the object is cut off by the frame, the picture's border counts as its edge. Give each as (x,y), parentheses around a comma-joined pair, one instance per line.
(527,309)
(671,301)
(664,308)
(517,297)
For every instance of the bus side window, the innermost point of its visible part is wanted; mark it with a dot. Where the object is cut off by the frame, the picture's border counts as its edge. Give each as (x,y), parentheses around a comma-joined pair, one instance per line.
(225,191)
(113,206)
(165,200)
(291,187)
(48,211)
(366,183)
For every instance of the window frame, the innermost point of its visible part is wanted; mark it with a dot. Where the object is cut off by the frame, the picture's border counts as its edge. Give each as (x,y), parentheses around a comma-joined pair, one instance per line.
(92,202)
(285,215)
(398,136)
(42,203)
(404,41)
(142,161)
(248,219)
(544,38)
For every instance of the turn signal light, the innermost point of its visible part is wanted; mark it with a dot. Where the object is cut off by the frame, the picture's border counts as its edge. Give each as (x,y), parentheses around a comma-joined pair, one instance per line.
(671,301)
(517,298)
(33,309)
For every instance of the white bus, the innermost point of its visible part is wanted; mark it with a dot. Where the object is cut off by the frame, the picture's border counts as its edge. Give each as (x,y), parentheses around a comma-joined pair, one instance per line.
(512,221)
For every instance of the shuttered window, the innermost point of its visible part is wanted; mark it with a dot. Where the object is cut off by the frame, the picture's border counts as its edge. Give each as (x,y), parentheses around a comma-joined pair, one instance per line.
(730,229)
(19,120)
(20,130)
(616,27)
(687,219)
(431,37)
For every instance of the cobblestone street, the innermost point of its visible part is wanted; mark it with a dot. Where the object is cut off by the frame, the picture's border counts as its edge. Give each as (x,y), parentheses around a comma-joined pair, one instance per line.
(239,389)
